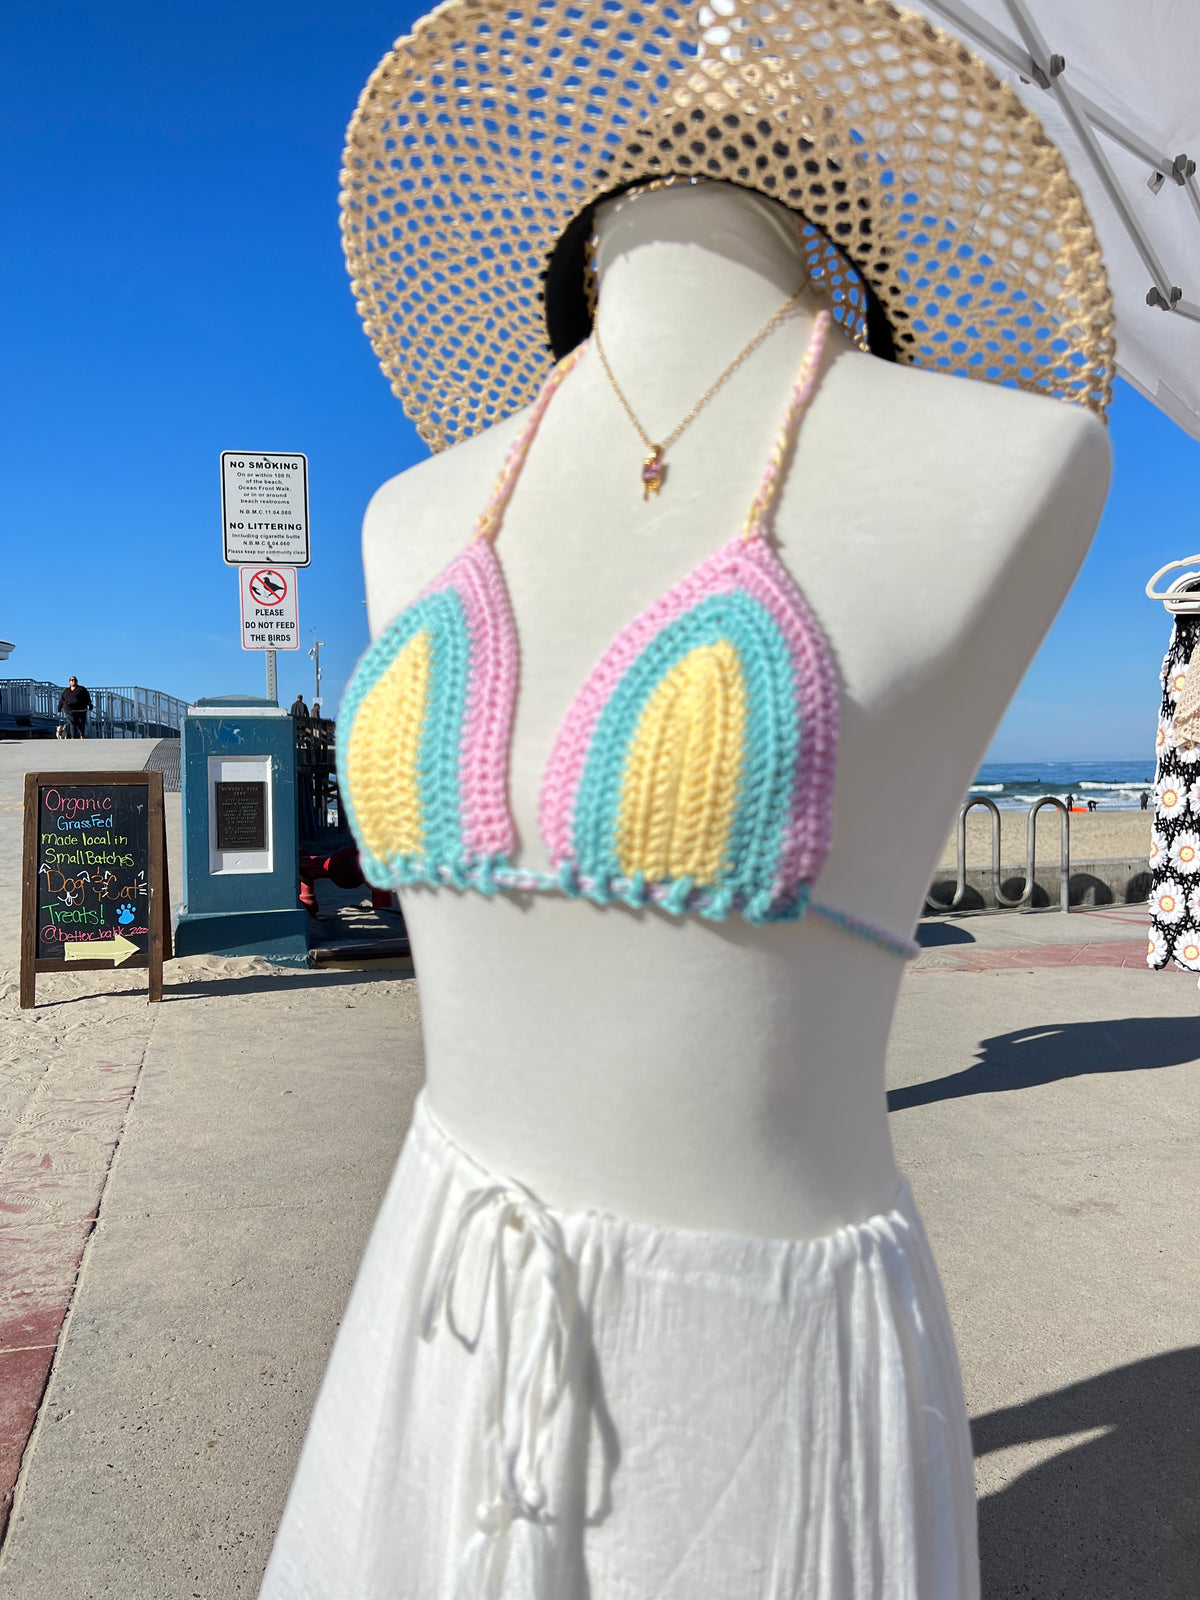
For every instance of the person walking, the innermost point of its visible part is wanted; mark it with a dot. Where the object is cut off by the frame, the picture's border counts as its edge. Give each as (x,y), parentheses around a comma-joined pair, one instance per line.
(298,708)
(75,702)
(1145,799)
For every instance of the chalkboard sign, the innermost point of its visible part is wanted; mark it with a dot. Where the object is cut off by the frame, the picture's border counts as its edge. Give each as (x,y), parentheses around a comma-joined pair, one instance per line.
(95,880)
(241,810)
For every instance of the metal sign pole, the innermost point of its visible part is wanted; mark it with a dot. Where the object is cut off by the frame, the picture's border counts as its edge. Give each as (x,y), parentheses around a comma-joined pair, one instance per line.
(272,687)
(315,655)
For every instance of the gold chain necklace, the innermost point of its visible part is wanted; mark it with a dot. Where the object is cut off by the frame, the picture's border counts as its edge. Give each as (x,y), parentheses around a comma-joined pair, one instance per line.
(653,468)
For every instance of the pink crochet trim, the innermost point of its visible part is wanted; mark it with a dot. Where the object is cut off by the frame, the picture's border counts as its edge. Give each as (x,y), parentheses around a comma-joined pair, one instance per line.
(785,757)
(754,568)
(478,581)
(748,563)
(810,832)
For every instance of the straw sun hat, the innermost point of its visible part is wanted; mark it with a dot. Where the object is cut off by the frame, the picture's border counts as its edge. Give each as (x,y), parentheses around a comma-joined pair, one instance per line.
(484,140)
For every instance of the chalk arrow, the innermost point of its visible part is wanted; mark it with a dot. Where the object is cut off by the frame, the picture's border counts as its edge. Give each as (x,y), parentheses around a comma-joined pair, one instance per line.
(116,950)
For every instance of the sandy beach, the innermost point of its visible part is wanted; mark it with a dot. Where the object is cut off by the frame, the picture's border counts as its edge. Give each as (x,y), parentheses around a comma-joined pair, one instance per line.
(1095,836)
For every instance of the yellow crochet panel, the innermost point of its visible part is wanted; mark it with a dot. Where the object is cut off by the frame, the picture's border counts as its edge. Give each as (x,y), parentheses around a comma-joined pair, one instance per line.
(684,769)
(381,758)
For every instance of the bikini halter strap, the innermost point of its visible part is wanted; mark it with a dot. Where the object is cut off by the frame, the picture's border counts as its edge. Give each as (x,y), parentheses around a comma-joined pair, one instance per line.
(488,525)
(763,503)
(771,481)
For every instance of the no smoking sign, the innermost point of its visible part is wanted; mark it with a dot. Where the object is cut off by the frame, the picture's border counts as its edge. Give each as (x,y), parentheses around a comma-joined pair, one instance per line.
(269,612)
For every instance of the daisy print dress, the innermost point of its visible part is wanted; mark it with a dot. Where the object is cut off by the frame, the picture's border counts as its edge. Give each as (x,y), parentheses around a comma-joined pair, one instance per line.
(1175,840)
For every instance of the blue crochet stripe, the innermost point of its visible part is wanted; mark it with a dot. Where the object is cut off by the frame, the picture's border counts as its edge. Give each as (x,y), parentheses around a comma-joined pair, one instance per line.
(870,931)
(771,744)
(443,616)
(439,753)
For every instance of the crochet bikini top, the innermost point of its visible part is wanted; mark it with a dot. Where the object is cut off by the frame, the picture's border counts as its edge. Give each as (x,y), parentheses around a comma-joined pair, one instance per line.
(694,770)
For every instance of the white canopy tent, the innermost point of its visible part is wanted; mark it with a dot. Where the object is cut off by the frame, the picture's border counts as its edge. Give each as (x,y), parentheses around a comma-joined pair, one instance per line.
(1114,84)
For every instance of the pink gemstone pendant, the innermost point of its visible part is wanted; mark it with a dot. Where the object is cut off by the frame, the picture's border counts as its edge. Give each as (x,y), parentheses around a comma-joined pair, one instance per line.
(653,472)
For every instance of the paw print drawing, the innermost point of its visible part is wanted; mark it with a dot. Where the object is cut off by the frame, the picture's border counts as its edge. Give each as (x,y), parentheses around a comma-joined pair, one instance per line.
(124,915)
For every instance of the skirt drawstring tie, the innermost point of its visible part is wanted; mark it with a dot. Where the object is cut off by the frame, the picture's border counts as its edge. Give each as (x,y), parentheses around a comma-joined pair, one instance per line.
(513,1538)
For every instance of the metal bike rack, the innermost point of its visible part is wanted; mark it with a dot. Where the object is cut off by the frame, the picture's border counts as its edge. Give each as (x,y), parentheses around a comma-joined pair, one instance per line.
(1024,899)
(960,887)
(1064,851)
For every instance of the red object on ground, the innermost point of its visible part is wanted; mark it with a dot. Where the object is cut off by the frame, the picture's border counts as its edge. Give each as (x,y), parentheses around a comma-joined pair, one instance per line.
(1010,958)
(342,868)
(52,1176)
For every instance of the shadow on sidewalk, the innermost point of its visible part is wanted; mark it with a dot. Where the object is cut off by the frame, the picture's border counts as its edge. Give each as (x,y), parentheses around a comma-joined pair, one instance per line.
(1051,1051)
(930,935)
(1114,1517)
(212,988)
(281,982)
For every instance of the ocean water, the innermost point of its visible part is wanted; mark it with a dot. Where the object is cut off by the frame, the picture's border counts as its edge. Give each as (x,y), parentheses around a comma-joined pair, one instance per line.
(1015,785)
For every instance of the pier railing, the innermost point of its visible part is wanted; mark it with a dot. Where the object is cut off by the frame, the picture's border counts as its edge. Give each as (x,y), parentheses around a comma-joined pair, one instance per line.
(30,708)
(320,805)
(1023,901)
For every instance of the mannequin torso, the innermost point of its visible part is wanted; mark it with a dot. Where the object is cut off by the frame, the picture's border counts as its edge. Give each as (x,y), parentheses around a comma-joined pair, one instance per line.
(719,1075)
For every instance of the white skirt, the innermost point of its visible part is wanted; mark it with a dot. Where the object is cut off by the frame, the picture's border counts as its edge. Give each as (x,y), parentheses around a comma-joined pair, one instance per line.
(526,1404)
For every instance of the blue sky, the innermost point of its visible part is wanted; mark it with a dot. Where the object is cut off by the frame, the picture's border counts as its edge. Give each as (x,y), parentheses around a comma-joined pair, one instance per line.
(173,286)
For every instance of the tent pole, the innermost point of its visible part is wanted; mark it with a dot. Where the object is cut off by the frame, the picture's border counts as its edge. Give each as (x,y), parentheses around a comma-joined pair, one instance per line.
(1086,135)
(1085,116)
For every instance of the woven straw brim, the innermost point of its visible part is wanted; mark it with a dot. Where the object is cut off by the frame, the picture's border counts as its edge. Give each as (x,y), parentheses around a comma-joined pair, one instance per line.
(489,130)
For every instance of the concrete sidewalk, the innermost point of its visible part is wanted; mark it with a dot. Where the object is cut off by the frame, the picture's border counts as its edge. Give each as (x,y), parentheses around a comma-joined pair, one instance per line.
(1049,1122)
(1114,936)
(268,1111)
(1047,1117)
(1025,929)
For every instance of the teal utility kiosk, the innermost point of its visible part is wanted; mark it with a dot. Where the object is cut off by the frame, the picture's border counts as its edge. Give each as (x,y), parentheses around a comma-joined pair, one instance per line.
(240,847)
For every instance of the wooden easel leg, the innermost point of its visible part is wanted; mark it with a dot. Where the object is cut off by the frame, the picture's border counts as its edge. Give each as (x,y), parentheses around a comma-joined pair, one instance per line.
(29,880)
(168,949)
(160,903)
